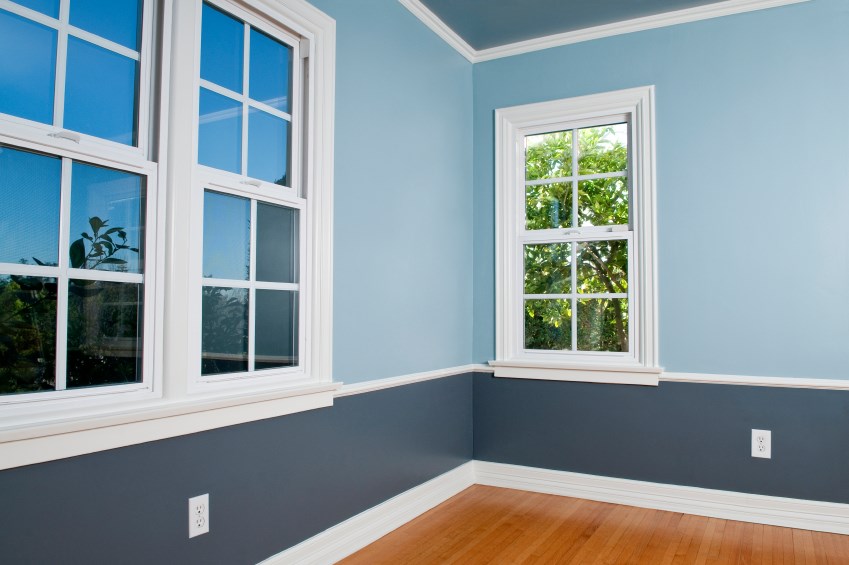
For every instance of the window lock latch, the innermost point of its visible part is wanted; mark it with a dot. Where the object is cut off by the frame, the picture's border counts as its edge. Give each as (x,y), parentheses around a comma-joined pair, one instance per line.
(65,134)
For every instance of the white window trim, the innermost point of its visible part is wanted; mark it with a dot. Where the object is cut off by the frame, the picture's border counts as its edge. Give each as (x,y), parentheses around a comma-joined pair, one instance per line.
(68,428)
(640,366)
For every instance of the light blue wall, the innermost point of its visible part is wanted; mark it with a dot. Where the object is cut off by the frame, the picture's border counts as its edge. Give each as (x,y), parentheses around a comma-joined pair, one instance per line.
(753,181)
(403,202)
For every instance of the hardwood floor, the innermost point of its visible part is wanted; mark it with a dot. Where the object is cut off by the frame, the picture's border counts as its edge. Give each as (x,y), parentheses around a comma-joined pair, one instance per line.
(495,525)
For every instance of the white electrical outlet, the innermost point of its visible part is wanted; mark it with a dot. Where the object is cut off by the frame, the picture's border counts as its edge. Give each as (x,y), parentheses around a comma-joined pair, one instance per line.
(198,515)
(762,444)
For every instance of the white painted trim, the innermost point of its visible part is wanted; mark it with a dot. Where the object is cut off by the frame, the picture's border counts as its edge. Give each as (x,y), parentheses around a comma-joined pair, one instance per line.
(759,509)
(353,534)
(391,382)
(441,29)
(61,439)
(709,11)
(781,382)
(348,537)
(512,125)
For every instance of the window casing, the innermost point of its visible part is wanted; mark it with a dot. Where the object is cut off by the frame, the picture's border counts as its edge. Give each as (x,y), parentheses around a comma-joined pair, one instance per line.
(172,396)
(575,239)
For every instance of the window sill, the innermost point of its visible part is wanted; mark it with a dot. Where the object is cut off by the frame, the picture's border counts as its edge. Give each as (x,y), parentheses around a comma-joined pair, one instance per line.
(89,433)
(607,373)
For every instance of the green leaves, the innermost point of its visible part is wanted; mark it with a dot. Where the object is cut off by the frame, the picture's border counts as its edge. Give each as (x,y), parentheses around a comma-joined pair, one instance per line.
(77,254)
(102,247)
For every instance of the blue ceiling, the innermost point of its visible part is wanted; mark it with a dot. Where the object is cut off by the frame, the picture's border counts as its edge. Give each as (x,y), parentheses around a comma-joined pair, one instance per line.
(490,23)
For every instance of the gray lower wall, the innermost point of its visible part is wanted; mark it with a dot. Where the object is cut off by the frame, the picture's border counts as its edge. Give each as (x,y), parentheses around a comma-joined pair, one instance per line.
(272,483)
(676,433)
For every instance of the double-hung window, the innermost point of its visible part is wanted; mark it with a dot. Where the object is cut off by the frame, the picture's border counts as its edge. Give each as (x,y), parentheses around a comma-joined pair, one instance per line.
(248,184)
(166,175)
(78,194)
(575,251)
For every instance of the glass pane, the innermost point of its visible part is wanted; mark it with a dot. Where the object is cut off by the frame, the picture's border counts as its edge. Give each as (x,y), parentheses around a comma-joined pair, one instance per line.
(276,244)
(224,333)
(222,49)
(604,149)
(30,186)
(548,206)
(603,266)
(27,334)
(100,92)
(27,68)
(603,324)
(46,7)
(548,269)
(107,219)
(118,21)
(220,134)
(226,236)
(548,324)
(548,155)
(268,147)
(270,72)
(276,329)
(104,333)
(603,202)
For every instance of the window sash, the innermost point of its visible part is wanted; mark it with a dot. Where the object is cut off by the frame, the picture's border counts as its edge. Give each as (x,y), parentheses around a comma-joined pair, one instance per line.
(294,120)
(64,273)
(11,124)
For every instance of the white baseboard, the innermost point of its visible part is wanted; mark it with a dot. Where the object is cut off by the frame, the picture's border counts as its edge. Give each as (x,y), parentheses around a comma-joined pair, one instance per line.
(759,509)
(366,527)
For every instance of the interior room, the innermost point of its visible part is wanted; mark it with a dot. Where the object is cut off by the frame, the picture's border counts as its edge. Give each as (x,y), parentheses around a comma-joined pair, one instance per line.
(317,303)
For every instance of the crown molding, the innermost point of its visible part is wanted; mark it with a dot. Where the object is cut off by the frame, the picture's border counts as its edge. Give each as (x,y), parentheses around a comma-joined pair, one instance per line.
(716,10)
(440,28)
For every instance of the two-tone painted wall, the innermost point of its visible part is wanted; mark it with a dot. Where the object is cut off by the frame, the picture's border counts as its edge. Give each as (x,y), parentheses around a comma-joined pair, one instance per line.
(753,202)
(753,189)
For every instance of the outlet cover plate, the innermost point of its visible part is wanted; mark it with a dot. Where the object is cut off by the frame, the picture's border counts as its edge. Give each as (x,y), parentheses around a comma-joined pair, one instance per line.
(762,444)
(198,515)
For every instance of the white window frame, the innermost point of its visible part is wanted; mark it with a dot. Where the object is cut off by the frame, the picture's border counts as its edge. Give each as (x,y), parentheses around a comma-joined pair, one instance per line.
(296,196)
(639,365)
(170,406)
(29,409)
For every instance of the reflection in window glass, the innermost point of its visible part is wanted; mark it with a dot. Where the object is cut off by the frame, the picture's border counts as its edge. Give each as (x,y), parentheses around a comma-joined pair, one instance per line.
(548,268)
(226,236)
(107,219)
(220,134)
(27,68)
(224,332)
(30,187)
(101,92)
(603,324)
(222,48)
(104,333)
(46,7)
(270,71)
(548,324)
(276,329)
(27,334)
(116,21)
(276,243)
(268,147)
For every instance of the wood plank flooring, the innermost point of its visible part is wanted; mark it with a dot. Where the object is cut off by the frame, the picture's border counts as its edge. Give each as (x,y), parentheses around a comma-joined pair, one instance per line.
(495,525)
